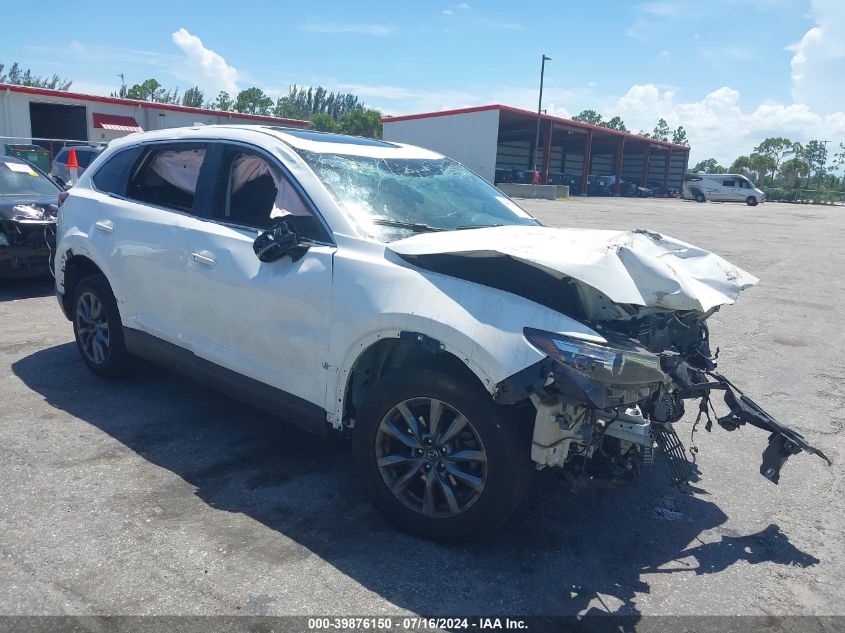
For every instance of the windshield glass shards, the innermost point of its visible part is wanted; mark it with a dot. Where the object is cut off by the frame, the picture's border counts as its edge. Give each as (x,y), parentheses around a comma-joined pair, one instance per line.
(392,198)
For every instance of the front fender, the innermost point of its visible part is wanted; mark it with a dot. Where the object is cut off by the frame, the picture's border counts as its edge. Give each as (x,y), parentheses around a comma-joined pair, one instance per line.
(380,295)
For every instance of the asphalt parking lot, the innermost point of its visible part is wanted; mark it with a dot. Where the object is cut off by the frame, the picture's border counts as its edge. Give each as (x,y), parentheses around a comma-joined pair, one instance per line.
(153,495)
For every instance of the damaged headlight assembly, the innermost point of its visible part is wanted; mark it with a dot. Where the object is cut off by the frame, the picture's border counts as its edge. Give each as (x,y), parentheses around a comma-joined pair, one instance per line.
(609,375)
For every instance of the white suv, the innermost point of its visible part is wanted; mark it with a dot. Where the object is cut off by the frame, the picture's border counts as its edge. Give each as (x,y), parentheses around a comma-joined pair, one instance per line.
(383,290)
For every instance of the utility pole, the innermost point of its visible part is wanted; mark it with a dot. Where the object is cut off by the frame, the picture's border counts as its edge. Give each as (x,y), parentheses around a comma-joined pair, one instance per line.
(539,113)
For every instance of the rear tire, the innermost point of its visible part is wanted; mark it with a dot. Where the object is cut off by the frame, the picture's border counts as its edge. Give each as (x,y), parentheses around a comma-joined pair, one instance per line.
(440,481)
(751,201)
(699,197)
(98,329)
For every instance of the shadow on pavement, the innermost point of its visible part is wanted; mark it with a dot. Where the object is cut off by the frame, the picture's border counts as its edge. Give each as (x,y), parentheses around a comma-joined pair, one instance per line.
(559,555)
(26,288)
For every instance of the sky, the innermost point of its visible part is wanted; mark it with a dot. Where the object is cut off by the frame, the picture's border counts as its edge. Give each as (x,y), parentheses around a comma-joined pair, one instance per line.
(732,72)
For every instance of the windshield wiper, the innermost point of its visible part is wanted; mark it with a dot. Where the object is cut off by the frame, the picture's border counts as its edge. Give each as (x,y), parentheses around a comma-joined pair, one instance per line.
(413,226)
(475,226)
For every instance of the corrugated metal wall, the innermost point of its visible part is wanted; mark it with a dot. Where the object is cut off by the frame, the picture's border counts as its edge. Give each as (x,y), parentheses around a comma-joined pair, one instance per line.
(469,138)
(15,122)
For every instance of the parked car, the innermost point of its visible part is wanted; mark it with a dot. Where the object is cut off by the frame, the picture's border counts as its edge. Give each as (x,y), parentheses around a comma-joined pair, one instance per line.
(28,206)
(85,154)
(722,188)
(383,291)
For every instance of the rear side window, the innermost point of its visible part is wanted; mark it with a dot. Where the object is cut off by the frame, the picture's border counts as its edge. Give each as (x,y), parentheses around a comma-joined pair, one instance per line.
(729,183)
(61,157)
(167,177)
(113,176)
(85,156)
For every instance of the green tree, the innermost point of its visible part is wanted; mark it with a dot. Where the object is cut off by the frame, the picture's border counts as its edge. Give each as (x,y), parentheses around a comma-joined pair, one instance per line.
(679,136)
(253,101)
(777,148)
(223,102)
(18,76)
(815,153)
(287,109)
(762,164)
(362,123)
(323,123)
(193,97)
(709,166)
(839,161)
(616,123)
(301,102)
(152,90)
(588,116)
(794,169)
(743,165)
(661,131)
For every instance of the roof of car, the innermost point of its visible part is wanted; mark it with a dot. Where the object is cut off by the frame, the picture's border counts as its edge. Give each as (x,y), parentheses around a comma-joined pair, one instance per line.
(308,140)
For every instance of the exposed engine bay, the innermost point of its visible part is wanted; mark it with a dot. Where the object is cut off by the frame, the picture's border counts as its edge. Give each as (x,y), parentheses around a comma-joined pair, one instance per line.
(27,238)
(606,405)
(602,422)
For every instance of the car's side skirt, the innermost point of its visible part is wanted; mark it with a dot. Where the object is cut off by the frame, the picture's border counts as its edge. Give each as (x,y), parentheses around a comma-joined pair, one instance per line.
(281,404)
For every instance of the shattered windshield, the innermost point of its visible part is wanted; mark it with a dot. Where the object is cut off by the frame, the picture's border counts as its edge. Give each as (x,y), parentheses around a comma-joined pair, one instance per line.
(391,198)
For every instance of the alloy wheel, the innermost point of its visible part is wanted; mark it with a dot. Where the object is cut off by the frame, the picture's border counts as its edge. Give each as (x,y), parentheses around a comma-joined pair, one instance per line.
(431,457)
(92,328)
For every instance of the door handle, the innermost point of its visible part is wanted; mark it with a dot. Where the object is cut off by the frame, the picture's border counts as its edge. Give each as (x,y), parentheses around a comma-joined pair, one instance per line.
(105,226)
(204,257)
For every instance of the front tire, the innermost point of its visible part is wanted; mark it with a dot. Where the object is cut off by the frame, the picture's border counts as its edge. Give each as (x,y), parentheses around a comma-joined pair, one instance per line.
(438,457)
(751,201)
(98,329)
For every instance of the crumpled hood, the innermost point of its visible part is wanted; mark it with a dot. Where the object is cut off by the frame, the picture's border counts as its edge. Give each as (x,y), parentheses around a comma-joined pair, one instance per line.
(636,267)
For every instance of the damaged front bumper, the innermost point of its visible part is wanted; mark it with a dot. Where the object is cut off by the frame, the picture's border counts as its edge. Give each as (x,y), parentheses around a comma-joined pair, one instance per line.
(601,419)
(27,240)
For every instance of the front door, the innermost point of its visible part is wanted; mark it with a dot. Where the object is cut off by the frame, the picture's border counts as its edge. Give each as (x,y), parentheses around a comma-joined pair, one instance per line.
(265,320)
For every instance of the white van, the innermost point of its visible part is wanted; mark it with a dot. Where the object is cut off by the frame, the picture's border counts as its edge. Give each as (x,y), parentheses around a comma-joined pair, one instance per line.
(722,188)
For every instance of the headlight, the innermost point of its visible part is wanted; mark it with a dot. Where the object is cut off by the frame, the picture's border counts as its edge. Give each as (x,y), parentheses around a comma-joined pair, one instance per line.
(625,373)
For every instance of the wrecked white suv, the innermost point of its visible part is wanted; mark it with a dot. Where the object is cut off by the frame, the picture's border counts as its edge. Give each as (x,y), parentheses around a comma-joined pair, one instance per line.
(385,291)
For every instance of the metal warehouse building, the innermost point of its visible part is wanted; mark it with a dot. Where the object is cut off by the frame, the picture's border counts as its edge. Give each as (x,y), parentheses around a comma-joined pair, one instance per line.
(52,117)
(497,142)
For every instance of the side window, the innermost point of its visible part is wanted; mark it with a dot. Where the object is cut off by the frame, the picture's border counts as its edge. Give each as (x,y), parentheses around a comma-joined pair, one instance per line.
(258,194)
(61,157)
(114,174)
(167,177)
(729,183)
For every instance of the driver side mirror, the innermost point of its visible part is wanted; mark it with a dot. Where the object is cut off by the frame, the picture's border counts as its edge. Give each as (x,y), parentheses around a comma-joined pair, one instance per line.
(279,240)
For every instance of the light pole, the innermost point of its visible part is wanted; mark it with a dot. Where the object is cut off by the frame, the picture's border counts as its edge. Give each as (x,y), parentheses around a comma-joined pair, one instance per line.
(539,111)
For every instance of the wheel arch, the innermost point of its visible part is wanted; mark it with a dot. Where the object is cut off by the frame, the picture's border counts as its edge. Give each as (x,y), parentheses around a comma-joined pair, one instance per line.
(74,268)
(384,353)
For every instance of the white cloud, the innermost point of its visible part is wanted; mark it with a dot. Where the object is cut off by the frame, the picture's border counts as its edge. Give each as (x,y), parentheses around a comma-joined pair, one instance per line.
(717,125)
(818,66)
(202,66)
(378,30)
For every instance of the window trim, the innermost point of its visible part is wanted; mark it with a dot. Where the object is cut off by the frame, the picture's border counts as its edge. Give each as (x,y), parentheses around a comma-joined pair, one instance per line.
(144,159)
(273,160)
(217,144)
(144,147)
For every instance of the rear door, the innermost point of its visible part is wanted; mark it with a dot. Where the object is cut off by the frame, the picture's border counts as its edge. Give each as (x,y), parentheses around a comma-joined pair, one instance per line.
(140,229)
(265,320)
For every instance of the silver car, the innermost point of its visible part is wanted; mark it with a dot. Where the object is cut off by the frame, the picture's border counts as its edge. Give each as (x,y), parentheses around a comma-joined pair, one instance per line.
(85,154)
